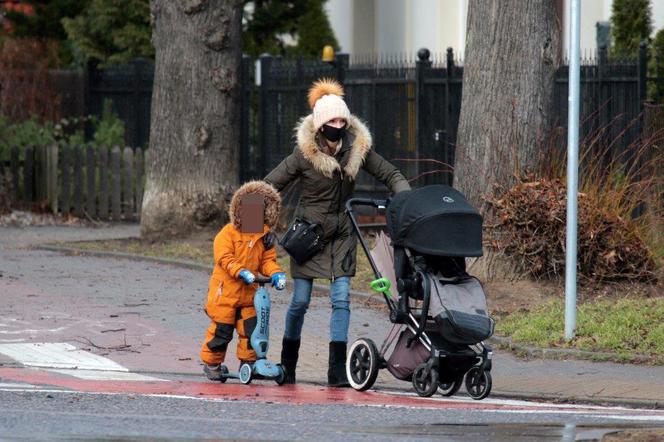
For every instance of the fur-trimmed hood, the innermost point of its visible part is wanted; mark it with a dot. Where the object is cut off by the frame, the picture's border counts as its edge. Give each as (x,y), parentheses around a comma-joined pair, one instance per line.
(270,195)
(358,135)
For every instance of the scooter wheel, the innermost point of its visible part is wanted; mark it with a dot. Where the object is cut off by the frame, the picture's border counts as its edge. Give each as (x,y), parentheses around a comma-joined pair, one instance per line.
(282,375)
(224,374)
(245,373)
(478,383)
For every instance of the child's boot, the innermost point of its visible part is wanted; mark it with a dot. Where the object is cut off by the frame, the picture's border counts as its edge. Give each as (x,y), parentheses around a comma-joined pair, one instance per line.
(213,372)
(289,354)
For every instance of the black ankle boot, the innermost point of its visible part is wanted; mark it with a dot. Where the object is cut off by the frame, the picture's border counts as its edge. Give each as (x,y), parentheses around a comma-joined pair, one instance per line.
(289,353)
(336,372)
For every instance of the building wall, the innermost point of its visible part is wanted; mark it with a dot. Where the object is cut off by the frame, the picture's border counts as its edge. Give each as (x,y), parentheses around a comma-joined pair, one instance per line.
(404,26)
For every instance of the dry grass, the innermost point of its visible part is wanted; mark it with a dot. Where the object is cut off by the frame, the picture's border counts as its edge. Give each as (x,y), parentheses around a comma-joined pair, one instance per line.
(197,247)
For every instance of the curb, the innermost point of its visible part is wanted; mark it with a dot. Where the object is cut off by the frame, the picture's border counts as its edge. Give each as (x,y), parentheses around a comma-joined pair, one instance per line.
(501,342)
(562,353)
(168,261)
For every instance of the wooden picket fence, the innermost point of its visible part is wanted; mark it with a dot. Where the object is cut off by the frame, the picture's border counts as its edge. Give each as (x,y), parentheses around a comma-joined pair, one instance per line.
(88,182)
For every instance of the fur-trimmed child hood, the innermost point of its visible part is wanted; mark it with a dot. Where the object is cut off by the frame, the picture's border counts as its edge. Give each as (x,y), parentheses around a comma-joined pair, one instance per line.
(270,196)
(358,135)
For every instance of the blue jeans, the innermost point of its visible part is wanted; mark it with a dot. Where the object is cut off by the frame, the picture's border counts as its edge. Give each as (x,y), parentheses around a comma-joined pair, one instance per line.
(339,298)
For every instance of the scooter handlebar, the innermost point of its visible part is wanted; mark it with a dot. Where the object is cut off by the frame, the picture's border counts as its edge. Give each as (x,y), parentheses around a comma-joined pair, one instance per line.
(260,279)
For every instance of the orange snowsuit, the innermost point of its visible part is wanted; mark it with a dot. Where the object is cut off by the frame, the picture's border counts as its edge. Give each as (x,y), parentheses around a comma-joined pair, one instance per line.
(230,302)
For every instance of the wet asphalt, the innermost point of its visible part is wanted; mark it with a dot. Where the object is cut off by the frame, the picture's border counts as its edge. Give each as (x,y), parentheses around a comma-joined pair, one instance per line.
(154,299)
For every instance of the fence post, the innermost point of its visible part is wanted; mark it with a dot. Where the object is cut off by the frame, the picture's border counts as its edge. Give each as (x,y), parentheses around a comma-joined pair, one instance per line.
(423,63)
(138,66)
(78,181)
(138,173)
(449,70)
(103,182)
(14,166)
(87,89)
(643,73)
(265,64)
(601,68)
(40,168)
(91,180)
(28,174)
(52,176)
(341,61)
(66,179)
(245,106)
(128,178)
(115,177)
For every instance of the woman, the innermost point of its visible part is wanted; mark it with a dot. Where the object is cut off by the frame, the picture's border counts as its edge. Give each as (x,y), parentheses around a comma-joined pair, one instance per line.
(332,146)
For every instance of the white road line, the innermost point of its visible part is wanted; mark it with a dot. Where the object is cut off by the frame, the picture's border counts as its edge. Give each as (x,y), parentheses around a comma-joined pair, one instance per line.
(99,375)
(507,402)
(58,355)
(66,359)
(17,386)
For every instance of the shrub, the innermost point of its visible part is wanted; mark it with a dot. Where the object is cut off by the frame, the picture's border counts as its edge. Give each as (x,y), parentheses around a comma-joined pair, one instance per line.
(28,133)
(631,24)
(530,224)
(528,221)
(109,129)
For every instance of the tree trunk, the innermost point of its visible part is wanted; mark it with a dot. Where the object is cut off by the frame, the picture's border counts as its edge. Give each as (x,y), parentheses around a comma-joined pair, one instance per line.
(512,53)
(194,135)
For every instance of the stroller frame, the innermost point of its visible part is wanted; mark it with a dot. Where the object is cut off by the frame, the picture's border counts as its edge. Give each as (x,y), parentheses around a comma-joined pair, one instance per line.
(364,360)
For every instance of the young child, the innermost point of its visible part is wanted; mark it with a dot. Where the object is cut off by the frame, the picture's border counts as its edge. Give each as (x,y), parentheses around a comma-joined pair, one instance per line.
(243,248)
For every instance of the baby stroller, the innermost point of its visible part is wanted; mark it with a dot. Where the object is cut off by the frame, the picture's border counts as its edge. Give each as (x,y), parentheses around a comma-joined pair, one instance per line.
(440,315)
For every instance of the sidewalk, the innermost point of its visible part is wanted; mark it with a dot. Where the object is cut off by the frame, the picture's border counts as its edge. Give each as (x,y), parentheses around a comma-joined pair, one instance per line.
(570,380)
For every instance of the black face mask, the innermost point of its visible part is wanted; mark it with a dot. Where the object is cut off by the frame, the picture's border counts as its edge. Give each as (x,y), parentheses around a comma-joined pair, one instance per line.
(334,134)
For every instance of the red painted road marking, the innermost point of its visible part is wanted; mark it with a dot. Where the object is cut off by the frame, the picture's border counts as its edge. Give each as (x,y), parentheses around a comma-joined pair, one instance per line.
(300,394)
(148,344)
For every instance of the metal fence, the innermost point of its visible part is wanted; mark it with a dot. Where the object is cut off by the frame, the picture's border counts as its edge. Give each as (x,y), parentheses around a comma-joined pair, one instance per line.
(129,87)
(412,107)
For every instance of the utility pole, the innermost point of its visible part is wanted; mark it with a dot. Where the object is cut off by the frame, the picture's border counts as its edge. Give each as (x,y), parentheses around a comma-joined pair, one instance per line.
(572,169)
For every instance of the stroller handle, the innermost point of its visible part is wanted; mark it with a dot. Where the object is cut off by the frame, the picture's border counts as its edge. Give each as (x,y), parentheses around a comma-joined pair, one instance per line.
(379,204)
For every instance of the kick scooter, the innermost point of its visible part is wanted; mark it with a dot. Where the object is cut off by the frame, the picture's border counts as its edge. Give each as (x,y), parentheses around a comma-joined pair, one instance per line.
(262,368)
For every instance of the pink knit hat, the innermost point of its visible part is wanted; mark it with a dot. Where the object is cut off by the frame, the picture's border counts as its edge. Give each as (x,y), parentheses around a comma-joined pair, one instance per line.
(326,102)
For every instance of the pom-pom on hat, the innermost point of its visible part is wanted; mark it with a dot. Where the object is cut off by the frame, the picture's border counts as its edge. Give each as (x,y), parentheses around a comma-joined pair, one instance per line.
(325,99)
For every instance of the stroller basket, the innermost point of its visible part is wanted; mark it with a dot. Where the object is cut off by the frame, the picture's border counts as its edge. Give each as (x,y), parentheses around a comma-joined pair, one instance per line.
(459,309)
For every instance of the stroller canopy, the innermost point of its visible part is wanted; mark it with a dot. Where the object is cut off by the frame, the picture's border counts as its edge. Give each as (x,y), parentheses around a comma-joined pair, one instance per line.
(435,220)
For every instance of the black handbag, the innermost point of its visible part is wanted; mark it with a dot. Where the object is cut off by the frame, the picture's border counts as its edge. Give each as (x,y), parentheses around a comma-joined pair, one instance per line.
(303,240)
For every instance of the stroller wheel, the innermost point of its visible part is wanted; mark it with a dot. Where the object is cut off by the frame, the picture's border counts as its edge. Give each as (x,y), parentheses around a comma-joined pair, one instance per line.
(425,380)
(478,383)
(362,364)
(450,388)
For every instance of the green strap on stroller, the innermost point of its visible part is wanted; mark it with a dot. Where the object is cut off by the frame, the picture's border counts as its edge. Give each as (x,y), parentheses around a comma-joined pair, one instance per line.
(381,285)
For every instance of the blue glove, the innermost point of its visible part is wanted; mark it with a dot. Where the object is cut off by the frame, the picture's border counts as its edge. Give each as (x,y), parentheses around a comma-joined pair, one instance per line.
(246,276)
(278,280)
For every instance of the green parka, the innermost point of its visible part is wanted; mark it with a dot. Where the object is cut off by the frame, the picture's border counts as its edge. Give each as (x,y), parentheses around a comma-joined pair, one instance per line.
(327,182)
